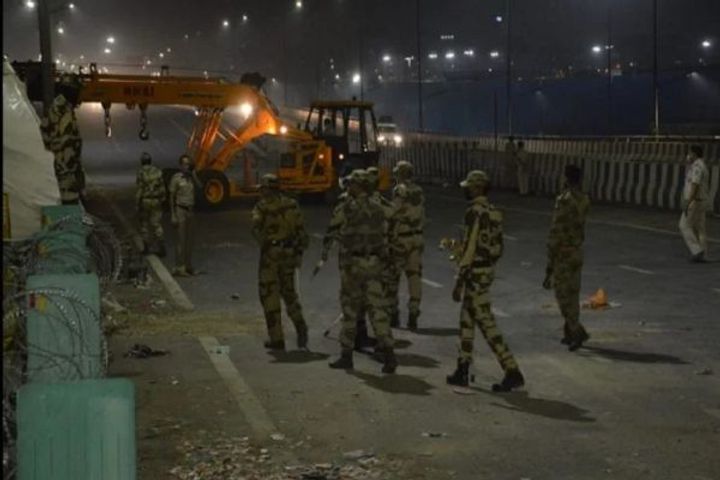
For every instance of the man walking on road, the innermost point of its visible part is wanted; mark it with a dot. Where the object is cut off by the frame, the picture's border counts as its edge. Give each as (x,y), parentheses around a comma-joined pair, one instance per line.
(363,229)
(482,247)
(565,255)
(149,200)
(409,221)
(182,202)
(522,163)
(279,229)
(695,205)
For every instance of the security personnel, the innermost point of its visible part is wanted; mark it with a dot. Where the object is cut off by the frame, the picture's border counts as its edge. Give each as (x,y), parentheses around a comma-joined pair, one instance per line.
(279,228)
(409,219)
(149,199)
(565,255)
(363,230)
(522,163)
(695,203)
(182,202)
(61,136)
(482,248)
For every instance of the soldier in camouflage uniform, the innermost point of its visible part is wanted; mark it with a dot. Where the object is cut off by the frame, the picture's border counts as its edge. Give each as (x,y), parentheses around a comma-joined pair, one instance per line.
(61,136)
(182,203)
(481,249)
(409,209)
(565,255)
(149,199)
(363,229)
(279,228)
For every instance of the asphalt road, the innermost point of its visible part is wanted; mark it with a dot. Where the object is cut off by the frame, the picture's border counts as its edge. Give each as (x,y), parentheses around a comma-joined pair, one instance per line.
(641,401)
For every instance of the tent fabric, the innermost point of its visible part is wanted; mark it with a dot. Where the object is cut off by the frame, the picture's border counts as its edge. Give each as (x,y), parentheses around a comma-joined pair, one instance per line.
(28,171)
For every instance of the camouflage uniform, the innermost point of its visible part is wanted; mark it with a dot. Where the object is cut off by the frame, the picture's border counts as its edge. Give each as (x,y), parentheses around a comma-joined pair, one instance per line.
(565,256)
(362,227)
(482,247)
(182,203)
(409,217)
(61,136)
(279,228)
(149,200)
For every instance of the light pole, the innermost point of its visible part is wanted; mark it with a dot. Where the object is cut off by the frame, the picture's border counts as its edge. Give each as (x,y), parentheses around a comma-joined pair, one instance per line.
(656,86)
(419,67)
(609,49)
(508,79)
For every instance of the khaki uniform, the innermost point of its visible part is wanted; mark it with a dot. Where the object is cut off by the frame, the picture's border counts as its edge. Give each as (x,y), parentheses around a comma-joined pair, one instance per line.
(409,220)
(61,136)
(278,227)
(149,199)
(565,255)
(182,203)
(362,230)
(482,247)
(692,221)
(522,163)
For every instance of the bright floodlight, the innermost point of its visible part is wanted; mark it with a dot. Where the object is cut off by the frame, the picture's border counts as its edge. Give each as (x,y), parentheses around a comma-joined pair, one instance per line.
(432,55)
(30,4)
(597,49)
(386,58)
(107,50)
(246,109)
(356,78)
(110,39)
(225,23)
(450,55)
(298,4)
(706,44)
(494,54)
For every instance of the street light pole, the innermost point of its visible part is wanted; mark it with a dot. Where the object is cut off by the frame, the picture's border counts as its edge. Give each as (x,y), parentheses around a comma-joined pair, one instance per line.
(419,67)
(609,49)
(46,54)
(508,79)
(656,86)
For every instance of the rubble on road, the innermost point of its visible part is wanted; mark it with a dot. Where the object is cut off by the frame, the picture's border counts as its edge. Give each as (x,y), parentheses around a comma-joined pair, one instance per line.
(238,458)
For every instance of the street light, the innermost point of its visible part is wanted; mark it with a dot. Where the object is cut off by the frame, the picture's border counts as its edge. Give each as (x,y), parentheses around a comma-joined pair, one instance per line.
(469,52)
(494,54)
(60,30)
(30,4)
(245,18)
(498,18)
(597,49)
(386,58)
(432,55)
(450,55)
(356,78)
(110,39)
(706,44)
(298,4)
(71,6)
(107,51)
(226,23)
(161,55)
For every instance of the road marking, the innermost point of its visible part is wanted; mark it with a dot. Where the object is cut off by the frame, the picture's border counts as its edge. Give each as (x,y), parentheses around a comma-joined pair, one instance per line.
(500,313)
(636,270)
(170,284)
(509,237)
(431,283)
(594,222)
(179,127)
(249,404)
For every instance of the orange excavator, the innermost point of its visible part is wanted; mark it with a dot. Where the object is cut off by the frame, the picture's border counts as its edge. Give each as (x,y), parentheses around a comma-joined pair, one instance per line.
(338,136)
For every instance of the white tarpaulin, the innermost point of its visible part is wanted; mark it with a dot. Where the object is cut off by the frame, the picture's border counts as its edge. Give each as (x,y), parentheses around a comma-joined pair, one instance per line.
(28,173)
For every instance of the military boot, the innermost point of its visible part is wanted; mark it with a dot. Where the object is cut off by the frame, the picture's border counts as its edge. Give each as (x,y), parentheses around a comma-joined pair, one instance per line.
(302,338)
(345,362)
(412,324)
(578,340)
(460,376)
(513,379)
(566,335)
(362,340)
(391,362)
(275,344)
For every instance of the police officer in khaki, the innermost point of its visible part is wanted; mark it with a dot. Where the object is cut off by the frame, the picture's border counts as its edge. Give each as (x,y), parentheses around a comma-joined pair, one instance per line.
(149,199)
(279,228)
(182,202)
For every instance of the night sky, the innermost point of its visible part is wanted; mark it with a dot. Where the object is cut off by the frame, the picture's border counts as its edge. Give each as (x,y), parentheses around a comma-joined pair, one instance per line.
(548,34)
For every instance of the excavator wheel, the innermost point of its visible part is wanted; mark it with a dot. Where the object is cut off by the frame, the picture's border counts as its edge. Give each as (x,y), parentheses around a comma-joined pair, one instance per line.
(215,188)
